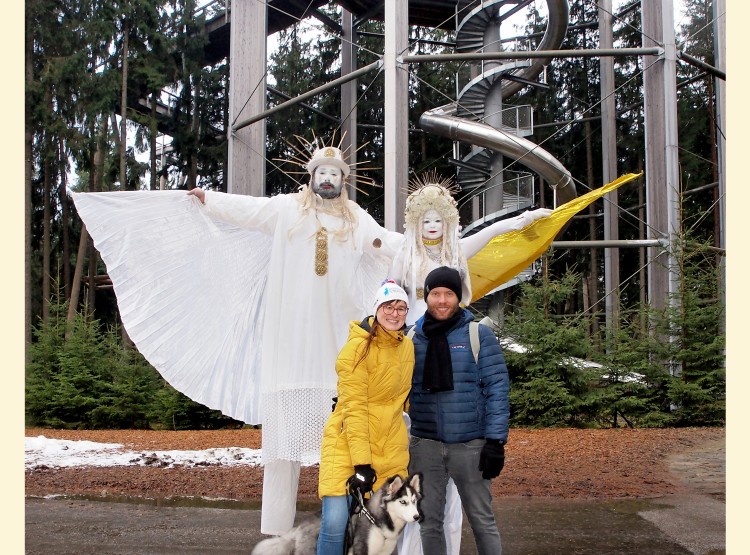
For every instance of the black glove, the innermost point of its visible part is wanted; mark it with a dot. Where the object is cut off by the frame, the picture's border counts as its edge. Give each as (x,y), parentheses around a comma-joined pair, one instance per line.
(334,400)
(492,459)
(362,479)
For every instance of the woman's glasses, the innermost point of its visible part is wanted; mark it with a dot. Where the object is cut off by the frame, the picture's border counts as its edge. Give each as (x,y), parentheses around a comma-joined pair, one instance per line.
(390,309)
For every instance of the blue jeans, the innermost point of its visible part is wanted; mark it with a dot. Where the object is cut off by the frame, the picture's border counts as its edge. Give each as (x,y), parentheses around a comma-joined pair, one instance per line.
(439,461)
(333,524)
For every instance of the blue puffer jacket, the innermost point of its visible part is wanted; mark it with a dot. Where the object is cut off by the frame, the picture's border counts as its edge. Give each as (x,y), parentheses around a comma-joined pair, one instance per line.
(478,406)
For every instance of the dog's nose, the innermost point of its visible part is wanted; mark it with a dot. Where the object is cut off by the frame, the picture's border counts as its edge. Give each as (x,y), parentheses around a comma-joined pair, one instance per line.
(416,517)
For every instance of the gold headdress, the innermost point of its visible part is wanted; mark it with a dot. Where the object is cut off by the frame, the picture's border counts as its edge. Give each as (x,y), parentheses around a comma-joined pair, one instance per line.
(429,191)
(311,154)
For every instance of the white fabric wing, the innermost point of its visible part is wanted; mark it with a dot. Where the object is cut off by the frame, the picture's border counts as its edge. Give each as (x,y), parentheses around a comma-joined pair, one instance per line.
(189,290)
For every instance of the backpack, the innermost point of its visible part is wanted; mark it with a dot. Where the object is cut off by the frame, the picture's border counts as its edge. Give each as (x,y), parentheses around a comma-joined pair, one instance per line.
(473,335)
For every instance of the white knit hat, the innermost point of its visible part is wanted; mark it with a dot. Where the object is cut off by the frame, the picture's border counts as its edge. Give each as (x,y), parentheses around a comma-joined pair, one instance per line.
(389,291)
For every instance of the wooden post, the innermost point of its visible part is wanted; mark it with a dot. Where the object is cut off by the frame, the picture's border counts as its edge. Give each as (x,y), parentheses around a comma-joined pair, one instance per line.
(662,175)
(396,113)
(247,96)
(720,55)
(349,99)
(75,291)
(662,164)
(609,168)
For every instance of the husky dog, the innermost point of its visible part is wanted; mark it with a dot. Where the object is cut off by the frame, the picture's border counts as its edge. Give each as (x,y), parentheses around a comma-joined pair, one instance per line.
(376,529)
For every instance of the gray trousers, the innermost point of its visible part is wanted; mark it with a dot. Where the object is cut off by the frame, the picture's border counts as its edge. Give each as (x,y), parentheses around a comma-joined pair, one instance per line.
(438,462)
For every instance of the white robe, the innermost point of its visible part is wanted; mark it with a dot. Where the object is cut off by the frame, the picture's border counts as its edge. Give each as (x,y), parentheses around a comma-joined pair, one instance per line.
(226,305)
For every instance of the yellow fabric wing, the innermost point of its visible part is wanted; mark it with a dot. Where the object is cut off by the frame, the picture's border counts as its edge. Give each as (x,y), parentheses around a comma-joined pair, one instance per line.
(505,256)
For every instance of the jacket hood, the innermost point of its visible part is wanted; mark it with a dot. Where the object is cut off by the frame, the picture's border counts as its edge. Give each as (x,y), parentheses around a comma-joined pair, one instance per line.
(383,336)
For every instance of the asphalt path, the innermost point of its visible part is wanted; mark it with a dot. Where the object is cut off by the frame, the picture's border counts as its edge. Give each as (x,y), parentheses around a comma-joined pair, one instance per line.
(687,523)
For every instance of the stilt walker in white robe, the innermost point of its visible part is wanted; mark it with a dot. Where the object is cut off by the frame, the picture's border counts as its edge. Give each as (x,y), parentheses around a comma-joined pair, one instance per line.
(243,303)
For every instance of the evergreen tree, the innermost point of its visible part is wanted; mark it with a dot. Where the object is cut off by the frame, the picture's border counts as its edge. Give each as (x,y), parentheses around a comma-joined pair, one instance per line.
(550,381)
(90,381)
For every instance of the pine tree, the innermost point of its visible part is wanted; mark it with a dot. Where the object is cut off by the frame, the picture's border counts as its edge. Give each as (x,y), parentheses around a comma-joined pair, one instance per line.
(550,381)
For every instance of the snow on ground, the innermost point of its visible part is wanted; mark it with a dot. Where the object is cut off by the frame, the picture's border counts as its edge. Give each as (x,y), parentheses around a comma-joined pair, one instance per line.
(58,453)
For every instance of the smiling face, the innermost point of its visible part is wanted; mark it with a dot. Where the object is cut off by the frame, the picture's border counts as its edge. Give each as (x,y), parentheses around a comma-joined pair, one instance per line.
(442,303)
(397,317)
(327,181)
(432,225)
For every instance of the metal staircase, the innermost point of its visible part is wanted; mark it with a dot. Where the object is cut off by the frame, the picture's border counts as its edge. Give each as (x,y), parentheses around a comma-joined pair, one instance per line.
(480,97)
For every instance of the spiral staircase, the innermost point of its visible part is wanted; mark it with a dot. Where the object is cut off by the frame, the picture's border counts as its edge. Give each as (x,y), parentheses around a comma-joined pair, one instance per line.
(487,134)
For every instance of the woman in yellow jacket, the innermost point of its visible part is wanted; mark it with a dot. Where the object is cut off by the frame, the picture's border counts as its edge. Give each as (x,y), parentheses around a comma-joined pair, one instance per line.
(365,440)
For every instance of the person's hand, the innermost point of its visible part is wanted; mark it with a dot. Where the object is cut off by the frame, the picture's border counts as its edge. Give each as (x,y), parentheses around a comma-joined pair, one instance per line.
(538,214)
(334,401)
(200,193)
(362,479)
(492,459)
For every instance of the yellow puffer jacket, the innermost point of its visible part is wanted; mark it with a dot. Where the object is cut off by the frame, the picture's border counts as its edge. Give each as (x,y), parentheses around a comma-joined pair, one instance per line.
(367,426)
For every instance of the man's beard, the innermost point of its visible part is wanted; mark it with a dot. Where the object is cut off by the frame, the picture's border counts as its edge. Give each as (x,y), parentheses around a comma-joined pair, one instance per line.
(328,193)
(451,315)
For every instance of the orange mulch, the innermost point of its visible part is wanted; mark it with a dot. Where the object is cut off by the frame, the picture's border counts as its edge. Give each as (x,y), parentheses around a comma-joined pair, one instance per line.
(563,463)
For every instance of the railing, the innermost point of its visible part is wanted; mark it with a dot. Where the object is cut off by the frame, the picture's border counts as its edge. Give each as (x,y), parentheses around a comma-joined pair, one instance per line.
(517,194)
(519,119)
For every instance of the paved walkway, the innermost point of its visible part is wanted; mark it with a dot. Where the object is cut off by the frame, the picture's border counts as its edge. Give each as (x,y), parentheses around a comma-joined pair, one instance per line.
(690,523)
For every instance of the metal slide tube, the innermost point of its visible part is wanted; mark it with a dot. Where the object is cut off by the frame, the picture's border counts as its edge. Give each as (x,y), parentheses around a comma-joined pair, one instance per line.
(441,121)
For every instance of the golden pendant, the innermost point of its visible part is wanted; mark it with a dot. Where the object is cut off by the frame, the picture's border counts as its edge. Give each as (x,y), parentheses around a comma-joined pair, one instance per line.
(321,252)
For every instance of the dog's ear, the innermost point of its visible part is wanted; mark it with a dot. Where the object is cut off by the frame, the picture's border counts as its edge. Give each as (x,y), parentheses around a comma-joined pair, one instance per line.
(394,484)
(415,482)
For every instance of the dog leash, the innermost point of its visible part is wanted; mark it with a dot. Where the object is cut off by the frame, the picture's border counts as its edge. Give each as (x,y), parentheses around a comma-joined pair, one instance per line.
(356,508)
(363,510)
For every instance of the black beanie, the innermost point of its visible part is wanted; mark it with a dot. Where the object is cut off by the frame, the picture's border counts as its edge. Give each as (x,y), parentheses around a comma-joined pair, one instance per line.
(443,277)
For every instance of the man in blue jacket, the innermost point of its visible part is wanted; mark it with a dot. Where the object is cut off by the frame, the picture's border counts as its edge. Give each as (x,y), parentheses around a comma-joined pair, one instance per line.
(459,410)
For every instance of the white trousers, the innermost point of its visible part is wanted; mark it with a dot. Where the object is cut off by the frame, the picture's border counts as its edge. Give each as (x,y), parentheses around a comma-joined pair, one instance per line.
(279,503)
(410,542)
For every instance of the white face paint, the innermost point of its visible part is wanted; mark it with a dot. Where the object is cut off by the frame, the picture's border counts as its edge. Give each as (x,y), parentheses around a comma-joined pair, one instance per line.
(327,181)
(432,225)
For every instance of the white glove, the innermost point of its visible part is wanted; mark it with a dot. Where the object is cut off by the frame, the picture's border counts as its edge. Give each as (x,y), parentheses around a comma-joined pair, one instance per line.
(533,215)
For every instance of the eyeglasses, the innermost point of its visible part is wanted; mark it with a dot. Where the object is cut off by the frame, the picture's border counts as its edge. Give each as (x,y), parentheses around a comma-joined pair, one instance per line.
(390,309)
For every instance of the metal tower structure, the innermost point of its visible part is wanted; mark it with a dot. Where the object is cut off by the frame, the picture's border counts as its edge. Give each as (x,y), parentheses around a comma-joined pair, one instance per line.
(486,133)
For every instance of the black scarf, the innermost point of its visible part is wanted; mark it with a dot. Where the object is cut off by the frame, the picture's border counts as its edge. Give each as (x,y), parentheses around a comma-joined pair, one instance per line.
(438,368)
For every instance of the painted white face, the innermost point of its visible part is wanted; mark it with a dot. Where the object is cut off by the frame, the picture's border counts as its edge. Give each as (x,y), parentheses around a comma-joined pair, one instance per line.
(392,315)
(327,181)
(432,225)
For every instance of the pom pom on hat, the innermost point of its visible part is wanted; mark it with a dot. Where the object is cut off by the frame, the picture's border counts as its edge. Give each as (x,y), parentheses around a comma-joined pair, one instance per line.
(443,277)
(389,291)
